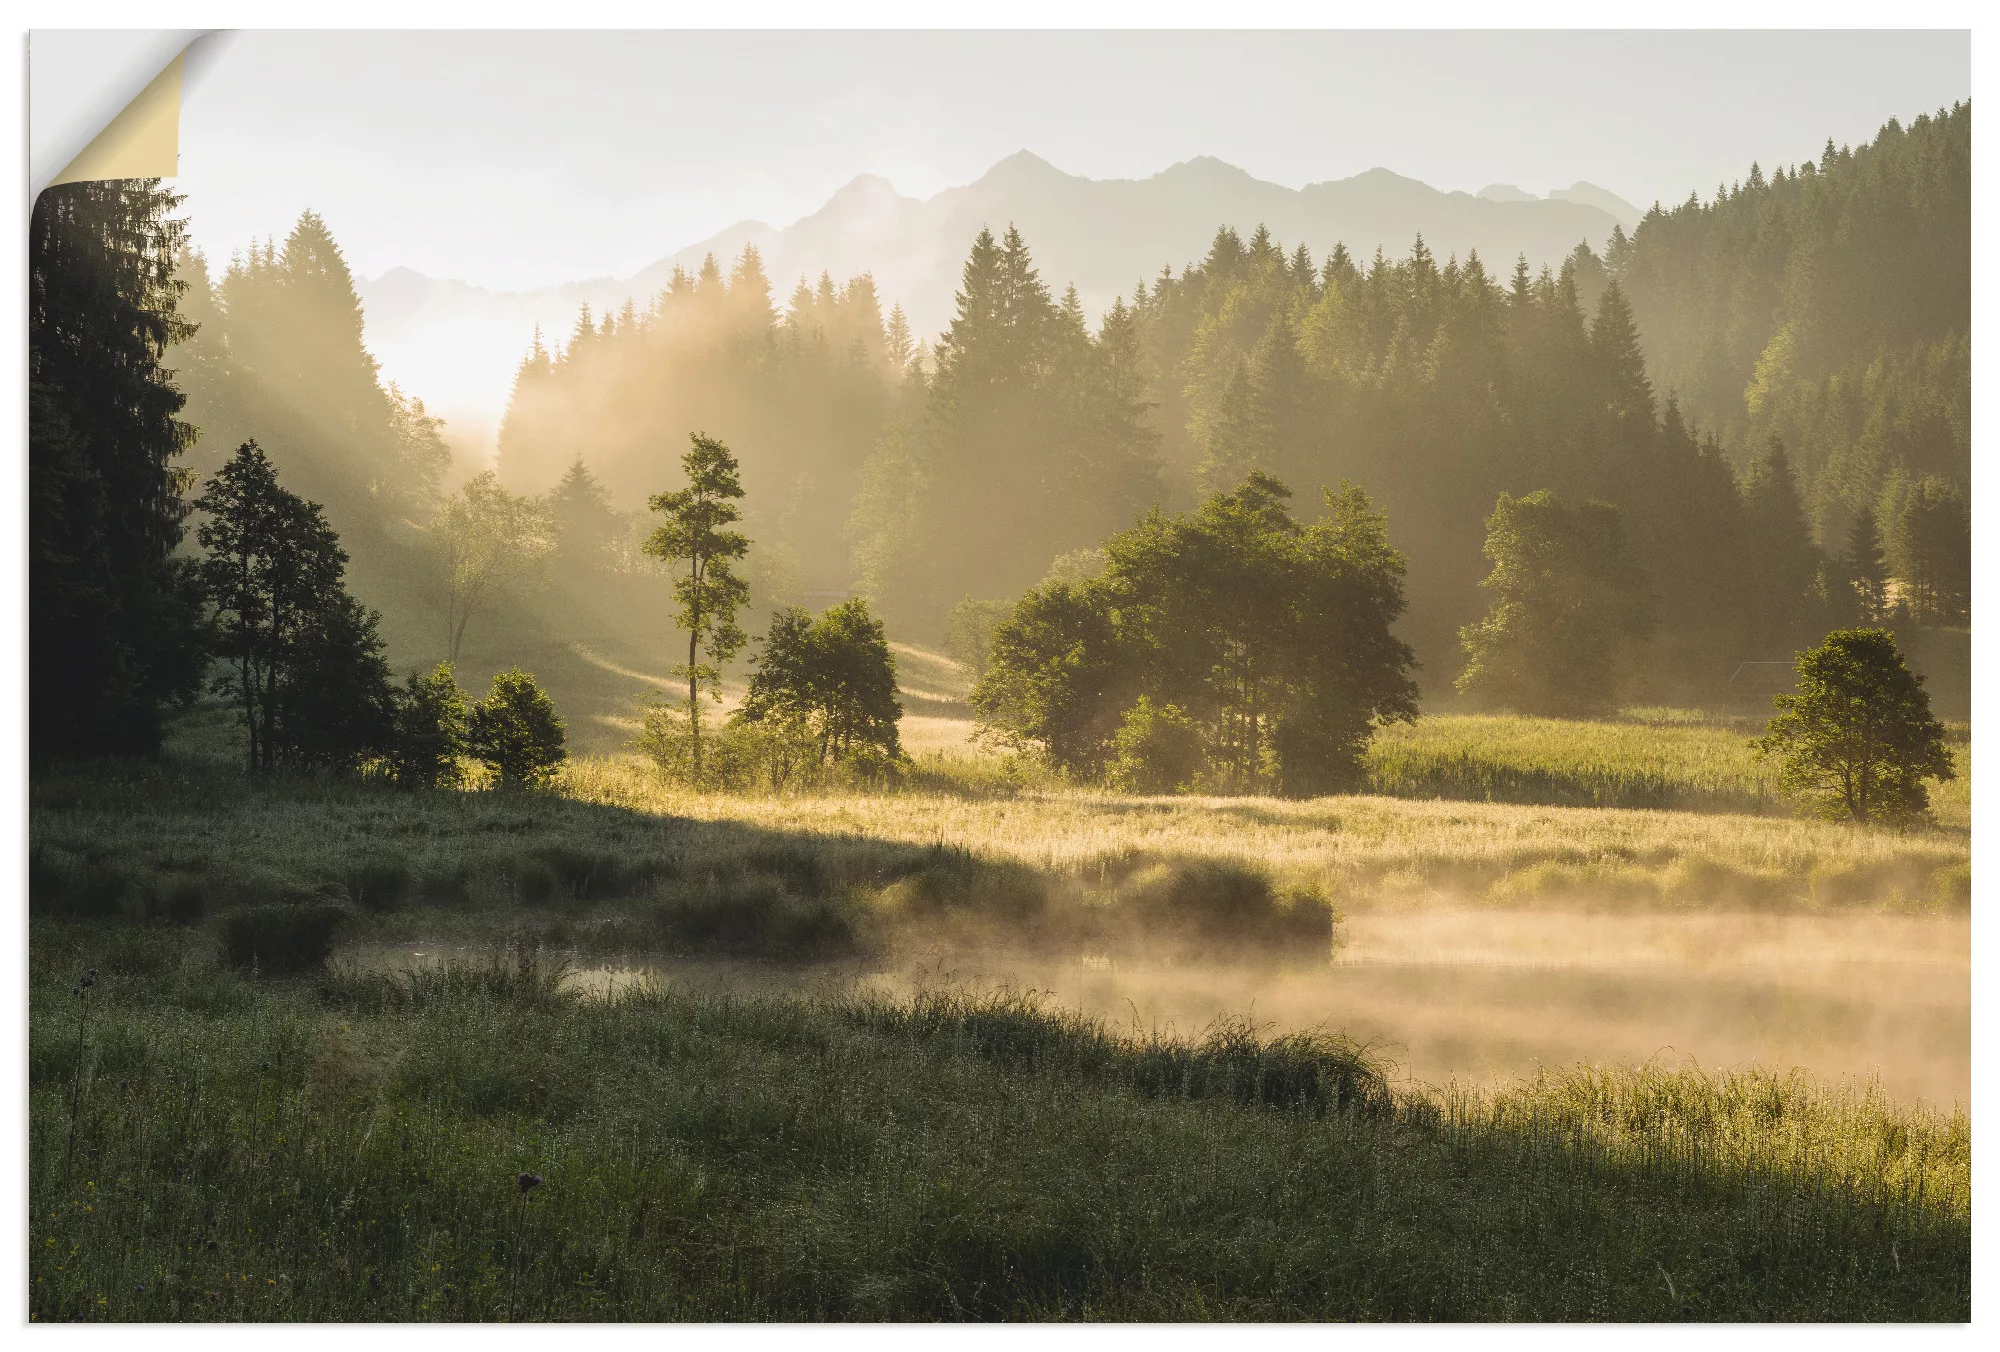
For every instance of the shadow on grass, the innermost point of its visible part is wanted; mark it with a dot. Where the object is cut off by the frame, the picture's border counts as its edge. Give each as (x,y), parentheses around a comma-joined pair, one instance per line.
(278,864)
(350,1147)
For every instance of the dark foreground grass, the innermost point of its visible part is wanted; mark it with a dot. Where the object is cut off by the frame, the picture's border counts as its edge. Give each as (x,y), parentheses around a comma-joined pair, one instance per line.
(351,1146)
(282,869)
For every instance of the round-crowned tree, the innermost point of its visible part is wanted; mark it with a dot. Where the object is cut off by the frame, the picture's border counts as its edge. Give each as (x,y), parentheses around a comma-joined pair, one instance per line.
(1858,740)
(517,731)
(430,730)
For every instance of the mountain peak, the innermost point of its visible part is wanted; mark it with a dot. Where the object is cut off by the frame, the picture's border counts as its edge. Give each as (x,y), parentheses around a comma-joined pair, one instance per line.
(1208,169)
(1606,201)
(1022,166)
(1505,192)
(866,187)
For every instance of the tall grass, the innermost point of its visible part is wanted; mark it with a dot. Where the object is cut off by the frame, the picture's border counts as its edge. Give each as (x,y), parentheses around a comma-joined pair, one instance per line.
(1647,758)
(1655,762)
(1376,851)
(342,1143)
(347,1147)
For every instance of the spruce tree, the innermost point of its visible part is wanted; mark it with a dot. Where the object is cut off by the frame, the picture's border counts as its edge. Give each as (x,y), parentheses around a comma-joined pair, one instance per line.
(1782,605)
(1621,364)
(1929,549)
(114,620)
(1860,569)
(582,523)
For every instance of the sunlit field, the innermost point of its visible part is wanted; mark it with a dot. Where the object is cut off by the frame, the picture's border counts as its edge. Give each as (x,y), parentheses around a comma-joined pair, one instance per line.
(1368,850)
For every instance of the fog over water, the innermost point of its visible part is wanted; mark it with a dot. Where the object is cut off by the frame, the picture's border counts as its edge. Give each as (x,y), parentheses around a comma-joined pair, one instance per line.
(1487,997)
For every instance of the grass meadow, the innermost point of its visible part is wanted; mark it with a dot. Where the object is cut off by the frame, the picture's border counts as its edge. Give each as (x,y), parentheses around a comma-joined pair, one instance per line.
(354,1147)
(237,1119)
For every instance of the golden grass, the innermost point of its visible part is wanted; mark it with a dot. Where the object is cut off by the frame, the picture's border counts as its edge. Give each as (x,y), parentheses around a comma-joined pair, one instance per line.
(1666,758)
(1370,850)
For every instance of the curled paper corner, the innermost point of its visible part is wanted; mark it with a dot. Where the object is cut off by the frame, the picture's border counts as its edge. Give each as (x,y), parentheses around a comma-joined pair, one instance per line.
(143,141)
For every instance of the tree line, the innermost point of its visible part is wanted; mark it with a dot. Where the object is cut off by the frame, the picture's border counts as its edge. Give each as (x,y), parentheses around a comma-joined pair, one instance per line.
(1512,428)
(1771,389)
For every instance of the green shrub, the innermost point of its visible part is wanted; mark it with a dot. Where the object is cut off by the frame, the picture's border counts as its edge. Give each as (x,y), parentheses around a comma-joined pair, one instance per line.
(1951,887)
(1213,909)
(951,881)
(429,731)
(446,885)
(589,876)
(758,916)
(536,883)
(137,951)
(377,882)
(280,939)
(768,755)
(1157,749)
(521,977)
(515,730)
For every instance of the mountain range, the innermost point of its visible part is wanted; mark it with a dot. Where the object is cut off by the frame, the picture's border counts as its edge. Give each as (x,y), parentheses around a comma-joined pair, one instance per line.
(457,345)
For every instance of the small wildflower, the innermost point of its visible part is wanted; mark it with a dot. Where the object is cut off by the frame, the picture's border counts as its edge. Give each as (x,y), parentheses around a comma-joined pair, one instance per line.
(528,1182)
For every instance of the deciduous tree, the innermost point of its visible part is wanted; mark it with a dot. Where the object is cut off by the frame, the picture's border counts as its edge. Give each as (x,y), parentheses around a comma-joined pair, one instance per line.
(1569,608)
(1858,739)
(304,660)
(486,539)
(834,676)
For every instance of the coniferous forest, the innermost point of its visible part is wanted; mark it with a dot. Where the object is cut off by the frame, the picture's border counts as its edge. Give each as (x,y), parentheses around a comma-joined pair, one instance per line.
(1771,387)
(697,861)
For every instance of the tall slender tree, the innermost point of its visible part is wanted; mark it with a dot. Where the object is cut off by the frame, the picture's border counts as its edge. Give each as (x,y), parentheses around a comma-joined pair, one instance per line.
(696,533)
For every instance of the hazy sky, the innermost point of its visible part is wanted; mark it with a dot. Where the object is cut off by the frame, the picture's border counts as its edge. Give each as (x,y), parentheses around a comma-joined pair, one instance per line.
(514,160)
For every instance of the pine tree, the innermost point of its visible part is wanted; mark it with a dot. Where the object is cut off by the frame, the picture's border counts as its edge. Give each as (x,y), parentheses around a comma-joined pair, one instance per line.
(1929,549)
(1860,569)
(582,523)
(695,533)
(1614,343)
(901,348)
(114,620)
(1781,605)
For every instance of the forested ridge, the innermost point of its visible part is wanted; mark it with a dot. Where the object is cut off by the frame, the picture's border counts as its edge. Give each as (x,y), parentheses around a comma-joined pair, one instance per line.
(1769,389)
(1771,386)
